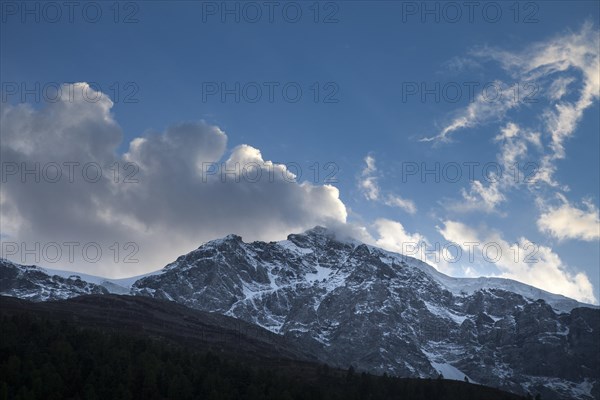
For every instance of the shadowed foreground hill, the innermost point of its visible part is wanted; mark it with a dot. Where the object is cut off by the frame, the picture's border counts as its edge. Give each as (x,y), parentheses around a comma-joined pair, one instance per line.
(46,354)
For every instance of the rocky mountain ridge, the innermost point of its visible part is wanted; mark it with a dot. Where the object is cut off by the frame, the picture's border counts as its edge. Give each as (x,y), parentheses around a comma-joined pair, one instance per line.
(383,312)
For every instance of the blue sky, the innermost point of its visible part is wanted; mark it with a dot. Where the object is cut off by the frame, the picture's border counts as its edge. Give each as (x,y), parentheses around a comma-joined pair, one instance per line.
(365,59)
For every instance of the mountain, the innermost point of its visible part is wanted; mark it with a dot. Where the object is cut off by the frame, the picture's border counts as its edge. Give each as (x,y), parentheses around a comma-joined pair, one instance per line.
(42,284)
(382,312)
(36,284)
(169,321)
(116,346)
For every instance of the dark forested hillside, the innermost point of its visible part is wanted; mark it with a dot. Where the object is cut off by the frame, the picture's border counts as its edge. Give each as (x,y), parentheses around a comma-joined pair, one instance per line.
(45,357)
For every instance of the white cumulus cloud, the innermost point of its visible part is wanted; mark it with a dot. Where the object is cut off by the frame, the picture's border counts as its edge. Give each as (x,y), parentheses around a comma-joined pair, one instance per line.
(568,221)
(523,261)
(168,193)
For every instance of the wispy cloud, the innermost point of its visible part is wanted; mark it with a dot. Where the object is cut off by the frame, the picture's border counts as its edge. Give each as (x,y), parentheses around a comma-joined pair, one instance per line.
(488,196)
(568,64)
(405,204)
(574,53)
(480,111)
(368,183)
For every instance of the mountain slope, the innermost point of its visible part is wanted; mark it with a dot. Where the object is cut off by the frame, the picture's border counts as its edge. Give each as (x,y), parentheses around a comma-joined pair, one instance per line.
(169,321)
(458,286)
(112,347)
(34,283)
(383,312)
(41,284)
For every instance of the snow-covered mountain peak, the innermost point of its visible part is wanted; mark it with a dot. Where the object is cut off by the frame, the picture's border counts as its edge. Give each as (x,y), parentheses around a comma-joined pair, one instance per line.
(319,230)
(233,237)
(377,310)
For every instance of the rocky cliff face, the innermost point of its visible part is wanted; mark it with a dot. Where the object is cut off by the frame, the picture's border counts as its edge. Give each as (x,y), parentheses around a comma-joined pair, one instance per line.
(383,312)
(35,284)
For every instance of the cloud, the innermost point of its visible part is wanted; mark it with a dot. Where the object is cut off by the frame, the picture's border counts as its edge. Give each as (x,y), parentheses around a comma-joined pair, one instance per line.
(564,64)
(570,222)
(393,237)
(514,143)
(484,108)
(369,185)
(169,192)
(523,261)
(560,87)
(400,202)
(550,61)
(487,196)
(459,64)
(479,198)
(368,181)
